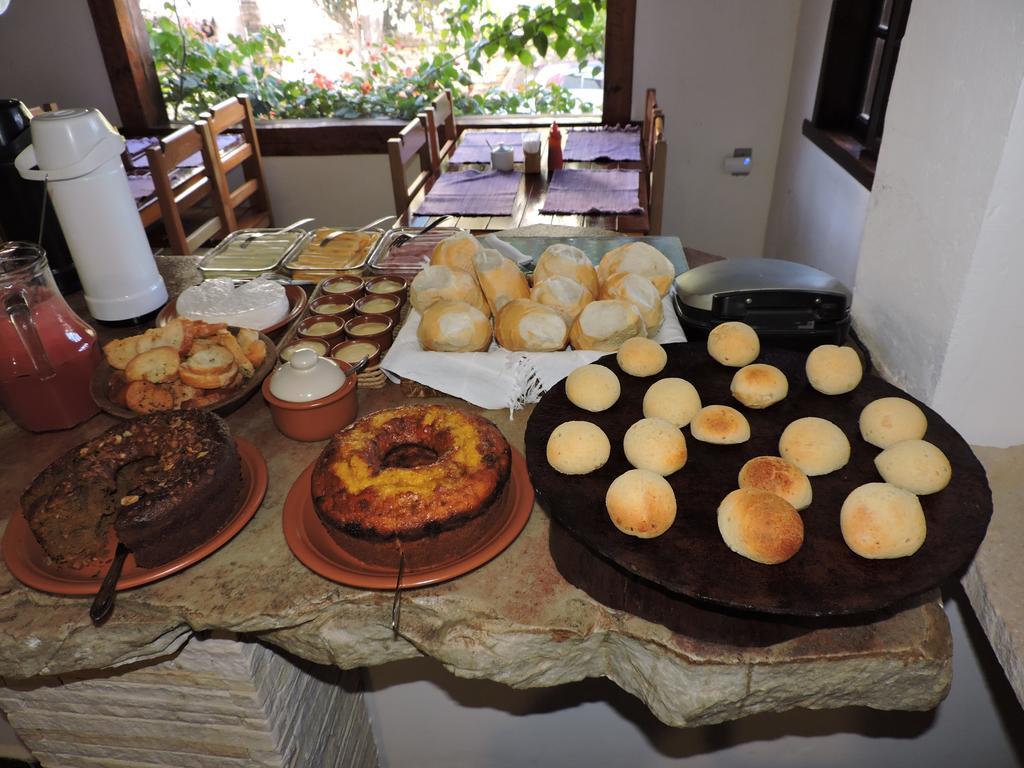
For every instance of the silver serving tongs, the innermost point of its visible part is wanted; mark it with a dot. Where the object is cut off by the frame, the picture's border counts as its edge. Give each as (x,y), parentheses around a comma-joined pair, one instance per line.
(254,235)
(396,604)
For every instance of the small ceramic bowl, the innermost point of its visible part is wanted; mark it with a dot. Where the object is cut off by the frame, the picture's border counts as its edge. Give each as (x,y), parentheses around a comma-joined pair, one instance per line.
(354,350)
(314,419)
(388,285)
(375,328)
(388,305)
(321,327)
(352,286)
(339,306)
(320,347)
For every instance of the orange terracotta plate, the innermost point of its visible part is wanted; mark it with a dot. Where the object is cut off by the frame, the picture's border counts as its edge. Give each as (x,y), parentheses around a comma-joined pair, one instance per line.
(313,546)
(30,565)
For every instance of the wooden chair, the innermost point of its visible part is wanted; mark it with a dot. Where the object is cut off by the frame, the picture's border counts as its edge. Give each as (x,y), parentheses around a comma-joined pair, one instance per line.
(412,142)
(441,129)
(656,173)
(188,223)
(248,204)
(650,106)
(50,106)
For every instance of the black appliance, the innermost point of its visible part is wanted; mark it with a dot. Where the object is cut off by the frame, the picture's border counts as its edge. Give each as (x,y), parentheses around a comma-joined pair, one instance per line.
(790,305)
(22,201)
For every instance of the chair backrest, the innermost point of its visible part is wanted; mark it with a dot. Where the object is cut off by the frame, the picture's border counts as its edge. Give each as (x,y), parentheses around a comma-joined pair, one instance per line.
(50,106)
(248,204)
(412,141)
(178,191)
(656,176)
(650,105)
(441,128)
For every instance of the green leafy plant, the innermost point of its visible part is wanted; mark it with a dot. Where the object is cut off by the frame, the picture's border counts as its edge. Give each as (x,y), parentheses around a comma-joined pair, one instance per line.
(195,73)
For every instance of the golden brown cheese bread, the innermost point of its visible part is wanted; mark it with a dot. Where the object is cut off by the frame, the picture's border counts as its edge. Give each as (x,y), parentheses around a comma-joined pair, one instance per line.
(776,475)
(568,261)
(577,448)
(641,503)
(916,465)
(890,420)
(720,424)
(526,326)
(437,282)
(454,326)
(734,344)
(759,385)
(656,445)
(834,370)
(593,387)
(816,446)
(500,279)
(760,526)
(641,357)
(639,258)
(673,399)
(881,521)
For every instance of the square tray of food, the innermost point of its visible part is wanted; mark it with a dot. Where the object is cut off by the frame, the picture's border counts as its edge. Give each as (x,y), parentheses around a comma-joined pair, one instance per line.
(330,251)
(252,252)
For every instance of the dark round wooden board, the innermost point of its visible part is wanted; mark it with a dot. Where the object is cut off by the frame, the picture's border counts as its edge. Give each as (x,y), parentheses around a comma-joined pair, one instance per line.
(825,577)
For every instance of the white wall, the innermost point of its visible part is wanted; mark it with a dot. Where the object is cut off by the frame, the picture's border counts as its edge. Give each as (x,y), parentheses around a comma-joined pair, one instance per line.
(817,209)
(721,69)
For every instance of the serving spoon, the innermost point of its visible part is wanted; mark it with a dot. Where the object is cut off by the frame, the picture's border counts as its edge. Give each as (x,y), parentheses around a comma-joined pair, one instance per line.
(103,603)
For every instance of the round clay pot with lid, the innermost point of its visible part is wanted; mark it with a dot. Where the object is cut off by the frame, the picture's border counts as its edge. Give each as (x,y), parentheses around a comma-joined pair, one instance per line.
(325,328)
(351,351)
(373,304)
(388,285)
(375,328)
(340,306)
(311,397)
(352,286)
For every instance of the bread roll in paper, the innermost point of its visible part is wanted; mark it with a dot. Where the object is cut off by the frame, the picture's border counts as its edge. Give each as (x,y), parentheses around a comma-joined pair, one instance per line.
(437,282)
(454,326)
(605,325)
(457,251)
(639,258)
(526,326)
(563,294)
(501,279)
(567,261)
(638,291)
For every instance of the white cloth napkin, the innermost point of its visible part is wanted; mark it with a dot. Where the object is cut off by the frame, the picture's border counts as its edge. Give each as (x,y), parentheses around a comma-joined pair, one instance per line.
(507,250)
(496,378)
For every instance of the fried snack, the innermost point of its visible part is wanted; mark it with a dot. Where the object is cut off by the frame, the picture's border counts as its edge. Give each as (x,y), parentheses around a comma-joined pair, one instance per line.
(157,366)
(145,397)
(226,340)
(209,368)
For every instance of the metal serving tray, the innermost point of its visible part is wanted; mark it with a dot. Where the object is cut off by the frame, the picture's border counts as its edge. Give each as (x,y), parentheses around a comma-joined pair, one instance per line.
(293,262)
(408,259)
(252,252)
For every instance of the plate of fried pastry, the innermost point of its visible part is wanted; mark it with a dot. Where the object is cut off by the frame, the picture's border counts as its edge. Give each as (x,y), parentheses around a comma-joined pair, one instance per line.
(181,365)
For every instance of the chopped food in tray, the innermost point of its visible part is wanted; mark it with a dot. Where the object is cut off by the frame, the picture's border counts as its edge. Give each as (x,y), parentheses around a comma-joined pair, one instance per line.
(349,250)
(408,258)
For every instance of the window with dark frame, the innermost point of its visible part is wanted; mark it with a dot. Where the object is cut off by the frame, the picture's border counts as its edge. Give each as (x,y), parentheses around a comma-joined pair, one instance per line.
(125,45)
(861,50)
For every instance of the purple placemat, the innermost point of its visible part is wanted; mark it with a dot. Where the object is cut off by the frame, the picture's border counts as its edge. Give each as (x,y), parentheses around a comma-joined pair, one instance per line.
(472,193)
(224,141)
(473,147)
(141,185)
(584,191)
(615,144)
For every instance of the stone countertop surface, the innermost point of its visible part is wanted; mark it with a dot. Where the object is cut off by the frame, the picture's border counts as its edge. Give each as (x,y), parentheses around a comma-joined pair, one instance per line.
(516,620)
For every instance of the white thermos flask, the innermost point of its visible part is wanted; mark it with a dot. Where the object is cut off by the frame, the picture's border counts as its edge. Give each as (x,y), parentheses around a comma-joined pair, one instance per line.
(78,154)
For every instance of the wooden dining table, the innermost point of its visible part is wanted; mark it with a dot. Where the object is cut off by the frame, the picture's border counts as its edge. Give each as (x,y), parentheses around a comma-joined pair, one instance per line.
(533,188)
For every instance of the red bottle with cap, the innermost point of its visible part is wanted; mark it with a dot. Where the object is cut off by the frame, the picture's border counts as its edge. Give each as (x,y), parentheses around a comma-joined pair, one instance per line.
(554,148)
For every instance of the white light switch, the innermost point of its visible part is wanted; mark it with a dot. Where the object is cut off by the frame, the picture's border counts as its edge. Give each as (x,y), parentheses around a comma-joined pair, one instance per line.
(739,163)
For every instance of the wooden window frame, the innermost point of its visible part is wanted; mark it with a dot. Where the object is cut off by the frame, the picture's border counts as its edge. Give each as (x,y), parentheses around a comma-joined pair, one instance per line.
(121,31)
(836,125)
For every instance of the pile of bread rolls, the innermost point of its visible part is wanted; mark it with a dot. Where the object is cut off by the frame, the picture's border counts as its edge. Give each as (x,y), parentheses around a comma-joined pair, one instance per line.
(761,519)
(469,294)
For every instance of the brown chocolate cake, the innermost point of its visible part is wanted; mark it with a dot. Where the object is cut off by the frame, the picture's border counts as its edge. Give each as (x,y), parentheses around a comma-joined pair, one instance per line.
(162,484)
(420,475)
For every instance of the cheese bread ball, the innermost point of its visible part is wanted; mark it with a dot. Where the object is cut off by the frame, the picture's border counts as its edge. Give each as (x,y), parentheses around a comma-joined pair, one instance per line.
(816,446)
(760,526)
(641,357)
(890,420)
(734,344)
(834,370)
(916,465)
(759,385)
(720,424)
(641,503)
(578,447)
(881,521)
(672,399)
(776,475)
(655,444)
(593,387)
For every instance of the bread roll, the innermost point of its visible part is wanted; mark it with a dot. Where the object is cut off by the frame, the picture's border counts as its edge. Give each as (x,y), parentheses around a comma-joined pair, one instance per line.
(435,283)
(457,252)
(454,326)
(881,521)
(759,385)
(593,388)
(501,279)
(638,291)
(655,444)
(567,261)
(605,325)
(578,447)
(720,424)
(641,357)
(641,503)
(526,326)
(776,475)
(816,446)
(734,344)
(915,465)
(639,258)
(673,399)
(563,294)
(760,526)
(834,370)
(890,420)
